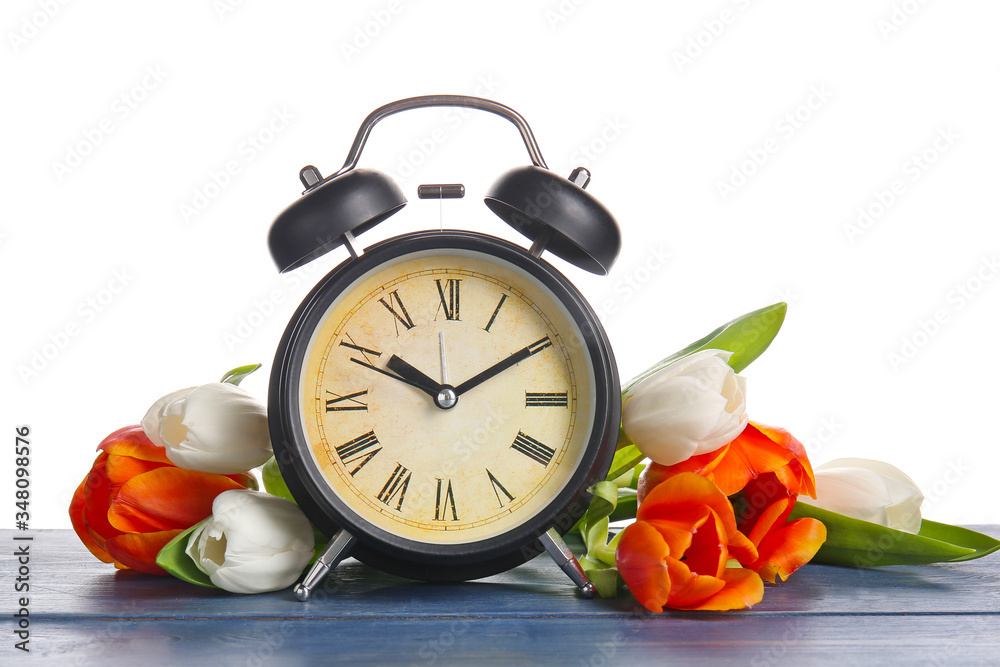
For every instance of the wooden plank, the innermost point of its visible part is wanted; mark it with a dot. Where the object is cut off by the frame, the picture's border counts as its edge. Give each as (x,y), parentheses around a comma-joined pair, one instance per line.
(710,640)
(69,582)
(84,611)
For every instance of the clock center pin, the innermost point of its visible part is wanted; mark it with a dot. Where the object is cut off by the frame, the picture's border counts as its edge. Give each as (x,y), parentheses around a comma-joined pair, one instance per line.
(446,398)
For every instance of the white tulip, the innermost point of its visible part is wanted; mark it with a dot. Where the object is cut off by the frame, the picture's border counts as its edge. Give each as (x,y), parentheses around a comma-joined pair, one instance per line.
(693,406)
(216,428)
(253,542)
(868,490)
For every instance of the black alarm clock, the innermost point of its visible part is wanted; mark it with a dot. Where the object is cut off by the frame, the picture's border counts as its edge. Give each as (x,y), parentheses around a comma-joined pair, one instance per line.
(441,401)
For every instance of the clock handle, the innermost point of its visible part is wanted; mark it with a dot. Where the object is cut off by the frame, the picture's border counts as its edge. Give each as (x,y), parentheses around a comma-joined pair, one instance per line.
(335,552)
(424,101)
(567,562)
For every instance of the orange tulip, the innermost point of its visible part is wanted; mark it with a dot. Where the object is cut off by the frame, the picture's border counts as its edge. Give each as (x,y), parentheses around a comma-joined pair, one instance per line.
(134,500)
(768,468)
(676,552)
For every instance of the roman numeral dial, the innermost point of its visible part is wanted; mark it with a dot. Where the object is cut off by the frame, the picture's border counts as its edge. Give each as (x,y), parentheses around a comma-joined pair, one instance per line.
(546,399)
(449,292)
(396,486)
(513,434)
(444,506)
(503,495)
(531,448)
(346,403)
(496,311)
(358,451)
(402,316)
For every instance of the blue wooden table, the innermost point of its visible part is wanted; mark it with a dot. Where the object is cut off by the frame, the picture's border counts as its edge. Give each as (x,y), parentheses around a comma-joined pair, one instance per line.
(84,612)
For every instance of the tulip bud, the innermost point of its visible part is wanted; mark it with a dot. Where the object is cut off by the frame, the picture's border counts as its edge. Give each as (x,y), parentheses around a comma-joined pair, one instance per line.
(693,406)
(133,501)
(254,542)
(868,490)
(216,428)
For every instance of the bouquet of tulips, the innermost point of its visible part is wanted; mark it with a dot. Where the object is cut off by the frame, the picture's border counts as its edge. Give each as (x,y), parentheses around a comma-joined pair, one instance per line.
(724,503)
(174,495)
(716,504)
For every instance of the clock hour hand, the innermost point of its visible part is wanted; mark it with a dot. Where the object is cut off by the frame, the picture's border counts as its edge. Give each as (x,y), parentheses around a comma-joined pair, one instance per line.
(501,366)
(387,373)
(413,376)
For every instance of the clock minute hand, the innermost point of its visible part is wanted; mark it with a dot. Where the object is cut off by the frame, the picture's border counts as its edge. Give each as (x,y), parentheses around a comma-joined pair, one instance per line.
(504,364)
(413,376)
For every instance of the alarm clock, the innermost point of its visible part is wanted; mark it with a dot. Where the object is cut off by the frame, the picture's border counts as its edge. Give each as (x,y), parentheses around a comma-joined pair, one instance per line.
(441,401)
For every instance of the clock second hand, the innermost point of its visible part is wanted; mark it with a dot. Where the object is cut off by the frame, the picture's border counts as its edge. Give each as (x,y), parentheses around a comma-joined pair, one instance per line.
(444,359)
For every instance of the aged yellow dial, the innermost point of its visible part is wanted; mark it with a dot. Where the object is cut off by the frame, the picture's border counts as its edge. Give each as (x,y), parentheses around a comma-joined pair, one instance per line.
(447,396)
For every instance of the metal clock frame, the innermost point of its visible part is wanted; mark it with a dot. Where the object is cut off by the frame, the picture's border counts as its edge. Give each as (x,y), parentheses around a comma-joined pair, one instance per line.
(392,553)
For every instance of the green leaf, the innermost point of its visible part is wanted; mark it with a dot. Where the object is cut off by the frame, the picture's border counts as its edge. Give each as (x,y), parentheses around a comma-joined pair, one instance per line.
(236,375)
(599,562)
(174,559)
(858,543)
(983,544)
(746,337)
(625,508)
(626,458)
(595,532)
(273,481)
(630,478)
(604,578)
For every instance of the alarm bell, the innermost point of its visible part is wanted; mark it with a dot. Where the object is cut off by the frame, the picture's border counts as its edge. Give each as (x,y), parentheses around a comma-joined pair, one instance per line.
(330,213)
(553,212)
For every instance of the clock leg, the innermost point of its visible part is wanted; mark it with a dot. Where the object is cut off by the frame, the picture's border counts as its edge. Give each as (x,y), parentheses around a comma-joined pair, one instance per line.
(335,552)
(564,558)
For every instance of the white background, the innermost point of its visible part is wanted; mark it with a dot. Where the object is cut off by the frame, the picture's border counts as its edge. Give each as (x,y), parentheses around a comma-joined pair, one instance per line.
(662,101)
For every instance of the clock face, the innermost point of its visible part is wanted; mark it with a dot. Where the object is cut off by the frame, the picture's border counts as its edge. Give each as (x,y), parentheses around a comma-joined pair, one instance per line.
(446,396)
